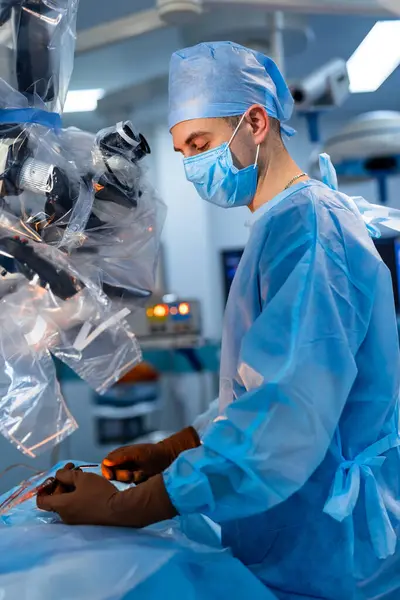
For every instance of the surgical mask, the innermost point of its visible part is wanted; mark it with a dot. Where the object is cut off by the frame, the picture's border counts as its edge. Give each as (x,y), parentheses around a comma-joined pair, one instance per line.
(216,178)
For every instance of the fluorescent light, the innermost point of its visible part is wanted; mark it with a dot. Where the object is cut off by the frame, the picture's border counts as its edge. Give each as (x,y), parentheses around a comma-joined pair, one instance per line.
(82,100)
(376,58)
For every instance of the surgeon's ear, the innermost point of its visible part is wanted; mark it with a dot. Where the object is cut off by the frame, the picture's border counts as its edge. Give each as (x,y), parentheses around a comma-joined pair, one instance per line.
(259,122)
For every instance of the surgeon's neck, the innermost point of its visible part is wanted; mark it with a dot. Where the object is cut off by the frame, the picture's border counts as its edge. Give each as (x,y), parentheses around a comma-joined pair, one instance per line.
(280,171)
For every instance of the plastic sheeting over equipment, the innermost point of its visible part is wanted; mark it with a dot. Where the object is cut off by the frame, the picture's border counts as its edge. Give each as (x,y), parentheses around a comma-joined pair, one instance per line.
(41,558)
(79,231)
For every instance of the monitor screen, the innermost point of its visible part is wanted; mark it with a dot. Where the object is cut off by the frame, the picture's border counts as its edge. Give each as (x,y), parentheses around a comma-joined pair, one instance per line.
(230,263)
(389,249)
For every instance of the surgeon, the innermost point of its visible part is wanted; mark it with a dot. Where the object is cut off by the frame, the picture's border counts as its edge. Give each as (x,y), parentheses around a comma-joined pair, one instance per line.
(301,465)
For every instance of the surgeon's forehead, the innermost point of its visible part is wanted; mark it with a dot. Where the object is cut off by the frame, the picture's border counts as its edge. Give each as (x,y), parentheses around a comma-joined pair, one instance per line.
(187,132)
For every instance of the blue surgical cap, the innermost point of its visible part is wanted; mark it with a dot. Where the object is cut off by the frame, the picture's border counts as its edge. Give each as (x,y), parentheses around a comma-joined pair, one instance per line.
(223,79)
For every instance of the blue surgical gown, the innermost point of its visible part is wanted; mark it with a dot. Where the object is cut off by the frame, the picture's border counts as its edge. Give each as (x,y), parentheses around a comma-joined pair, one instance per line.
(302,467)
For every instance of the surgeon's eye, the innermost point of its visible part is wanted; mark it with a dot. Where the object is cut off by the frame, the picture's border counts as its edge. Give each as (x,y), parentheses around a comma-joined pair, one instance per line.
(203,148)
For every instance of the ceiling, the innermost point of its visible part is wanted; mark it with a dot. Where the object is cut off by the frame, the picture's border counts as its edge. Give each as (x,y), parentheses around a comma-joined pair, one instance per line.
(133,72)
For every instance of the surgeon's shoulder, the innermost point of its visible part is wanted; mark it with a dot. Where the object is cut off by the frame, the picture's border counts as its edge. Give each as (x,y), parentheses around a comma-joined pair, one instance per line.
(294,207)
(315,213)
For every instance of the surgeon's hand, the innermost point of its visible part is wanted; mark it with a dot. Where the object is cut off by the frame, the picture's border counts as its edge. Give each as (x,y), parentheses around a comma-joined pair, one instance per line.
(139,462)
(96,501)
(88,498)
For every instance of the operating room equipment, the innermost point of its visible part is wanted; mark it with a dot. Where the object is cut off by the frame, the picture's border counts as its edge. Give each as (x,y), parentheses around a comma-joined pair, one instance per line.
(24,492)
(168,324)
(325,88)
(374,215)
(389,250)
(79,231)
(230,260)
(17,256)
(366,148)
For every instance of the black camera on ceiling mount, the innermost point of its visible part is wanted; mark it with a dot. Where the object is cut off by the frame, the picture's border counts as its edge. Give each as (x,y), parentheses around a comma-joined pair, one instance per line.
(111,175)
(39,182)
(34,27)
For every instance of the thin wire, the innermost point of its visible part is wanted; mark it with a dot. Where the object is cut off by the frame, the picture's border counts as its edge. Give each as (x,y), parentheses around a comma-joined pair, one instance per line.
(7,469)
(15,498)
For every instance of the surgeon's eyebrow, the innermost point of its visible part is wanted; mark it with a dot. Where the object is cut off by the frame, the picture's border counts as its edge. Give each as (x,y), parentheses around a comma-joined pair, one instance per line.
(191,138)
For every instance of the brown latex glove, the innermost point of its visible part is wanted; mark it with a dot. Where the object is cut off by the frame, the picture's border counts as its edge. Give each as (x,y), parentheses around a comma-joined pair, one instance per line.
(51,486)
(139,462)
(96,501)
